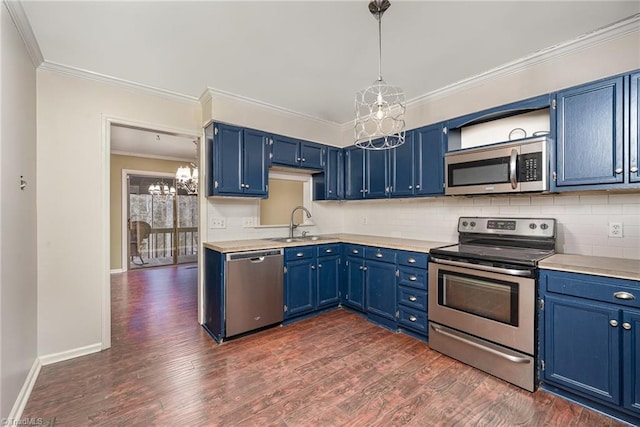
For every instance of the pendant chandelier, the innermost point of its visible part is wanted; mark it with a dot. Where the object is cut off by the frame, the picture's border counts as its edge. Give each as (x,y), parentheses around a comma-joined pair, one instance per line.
(161,189)
(187,176)
(380,108)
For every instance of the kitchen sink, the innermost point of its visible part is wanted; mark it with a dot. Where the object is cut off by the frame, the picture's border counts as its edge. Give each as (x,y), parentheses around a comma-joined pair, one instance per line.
(296,239)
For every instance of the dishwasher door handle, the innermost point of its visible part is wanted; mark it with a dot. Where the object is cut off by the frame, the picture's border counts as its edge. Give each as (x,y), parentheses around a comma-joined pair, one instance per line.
(257,260)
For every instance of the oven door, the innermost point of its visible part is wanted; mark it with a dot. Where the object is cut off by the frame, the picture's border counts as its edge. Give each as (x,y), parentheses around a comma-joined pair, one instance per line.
(493,306)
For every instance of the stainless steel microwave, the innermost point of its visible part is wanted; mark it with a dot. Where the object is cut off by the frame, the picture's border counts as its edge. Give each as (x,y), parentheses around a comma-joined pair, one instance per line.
(513,167)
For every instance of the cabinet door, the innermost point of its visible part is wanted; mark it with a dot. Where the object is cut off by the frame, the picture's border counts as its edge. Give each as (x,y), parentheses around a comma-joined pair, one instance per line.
(227,176)
(300,282)
(582,347)
(634,125)
(355,283)
(214,292)
(429,157)
(285,151)
(590,137)
(353,173)
(631,359)
(334,177)
(311,155)
(376,171)
(328,280)
(401,174)
(255,174)
(380,278)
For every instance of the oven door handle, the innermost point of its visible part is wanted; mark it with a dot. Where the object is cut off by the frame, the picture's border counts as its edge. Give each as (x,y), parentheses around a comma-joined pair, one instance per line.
(453,335)
(509,271)
(513,177)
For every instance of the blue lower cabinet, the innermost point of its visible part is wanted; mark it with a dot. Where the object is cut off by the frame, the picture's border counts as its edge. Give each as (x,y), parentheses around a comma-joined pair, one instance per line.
(355,283)
(631,359)
(299,287)
(380,278)
(413,319)
(329,269)
(214,293)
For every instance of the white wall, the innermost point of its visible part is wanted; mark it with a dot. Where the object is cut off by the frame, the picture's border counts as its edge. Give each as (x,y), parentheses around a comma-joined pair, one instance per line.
(73,246)
(18,281)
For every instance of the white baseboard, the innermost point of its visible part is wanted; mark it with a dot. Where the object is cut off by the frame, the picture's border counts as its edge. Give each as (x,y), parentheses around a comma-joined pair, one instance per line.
(25,392)
(116,271)
(70,354)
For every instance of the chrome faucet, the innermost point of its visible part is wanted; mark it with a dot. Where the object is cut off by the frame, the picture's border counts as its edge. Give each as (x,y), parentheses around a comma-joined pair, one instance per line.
(292,226)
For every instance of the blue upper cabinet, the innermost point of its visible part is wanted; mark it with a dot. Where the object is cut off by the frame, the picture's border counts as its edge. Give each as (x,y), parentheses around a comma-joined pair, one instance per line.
(240,163)
(634,128)
(590,134)
(376,172)
(353,173)
(429,143)
(293,152)
(329,185)
(402,168)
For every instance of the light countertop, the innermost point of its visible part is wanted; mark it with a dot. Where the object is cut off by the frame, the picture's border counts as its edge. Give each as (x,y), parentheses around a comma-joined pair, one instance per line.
(357,239)
(599,266)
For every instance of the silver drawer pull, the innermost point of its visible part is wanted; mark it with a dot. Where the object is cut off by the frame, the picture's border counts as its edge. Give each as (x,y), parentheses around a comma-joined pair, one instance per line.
(413,278)
(354,251)
(626,326)
(618,170)
(329,251)
(613,322)
(365,268)
(413,299)
(411,260)
(378,255)
(634,169)
(299,254)
(624,295)
(413,318)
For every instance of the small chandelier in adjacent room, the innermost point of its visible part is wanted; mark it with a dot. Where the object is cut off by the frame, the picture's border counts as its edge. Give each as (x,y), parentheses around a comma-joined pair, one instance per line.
(380,108)
(187,176)
(161,189)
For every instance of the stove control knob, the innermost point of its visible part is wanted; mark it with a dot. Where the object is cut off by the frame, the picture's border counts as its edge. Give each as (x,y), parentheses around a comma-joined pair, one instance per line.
(533,226)
(473,224)
(544,225)
(465,223)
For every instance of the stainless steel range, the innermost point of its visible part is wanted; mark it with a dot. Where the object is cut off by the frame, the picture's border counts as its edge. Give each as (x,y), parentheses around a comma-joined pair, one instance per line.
(482,295)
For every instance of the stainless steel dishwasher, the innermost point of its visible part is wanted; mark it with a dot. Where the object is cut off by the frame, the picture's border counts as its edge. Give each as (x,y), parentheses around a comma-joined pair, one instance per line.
(253,290)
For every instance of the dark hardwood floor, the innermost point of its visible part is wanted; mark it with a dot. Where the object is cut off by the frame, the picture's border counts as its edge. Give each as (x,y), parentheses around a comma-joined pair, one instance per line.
(335,369)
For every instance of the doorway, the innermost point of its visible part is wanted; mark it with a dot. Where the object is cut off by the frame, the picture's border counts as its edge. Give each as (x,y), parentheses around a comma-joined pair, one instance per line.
(162,222)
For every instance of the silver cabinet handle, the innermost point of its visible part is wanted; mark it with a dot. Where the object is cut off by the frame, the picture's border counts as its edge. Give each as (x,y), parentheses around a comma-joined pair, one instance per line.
(319,265)
(618,170)
(411,260)
(624,295)
(361,267)
(365,268)
(413,318)
(246,186)
(613,322)
(329,251)
(298,159)
(626,326)
(412,298)
(313,267)
(379,255)
(411,187)
(417,186)
(634,169)
(513,178)
(413,278)
(354,251)
(304,160)
(299,254)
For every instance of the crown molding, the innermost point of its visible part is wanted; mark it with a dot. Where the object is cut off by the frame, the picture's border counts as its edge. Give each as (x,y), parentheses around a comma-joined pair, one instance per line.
(210,93)
(19,18)
(596,37)
(103,78)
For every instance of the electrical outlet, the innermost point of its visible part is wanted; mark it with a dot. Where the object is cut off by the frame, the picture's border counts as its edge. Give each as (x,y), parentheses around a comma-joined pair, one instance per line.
(615,229)
(248,221)
(215,222)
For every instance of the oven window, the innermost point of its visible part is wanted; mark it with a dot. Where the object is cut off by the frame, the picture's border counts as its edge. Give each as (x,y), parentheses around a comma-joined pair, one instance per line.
(490,171)
(491,299)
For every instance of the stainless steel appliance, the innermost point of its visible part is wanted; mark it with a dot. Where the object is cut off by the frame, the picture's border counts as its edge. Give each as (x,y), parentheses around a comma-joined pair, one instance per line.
(501,168)
(482,295)
(253,290)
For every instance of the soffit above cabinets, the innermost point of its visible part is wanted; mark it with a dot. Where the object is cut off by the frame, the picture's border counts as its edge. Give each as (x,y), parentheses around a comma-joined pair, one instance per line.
(310,56)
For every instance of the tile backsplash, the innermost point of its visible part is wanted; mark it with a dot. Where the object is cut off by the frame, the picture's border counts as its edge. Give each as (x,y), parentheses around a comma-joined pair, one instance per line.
(583,220)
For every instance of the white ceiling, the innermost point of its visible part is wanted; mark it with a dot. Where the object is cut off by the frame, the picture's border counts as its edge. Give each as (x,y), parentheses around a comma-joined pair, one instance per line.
(306,56)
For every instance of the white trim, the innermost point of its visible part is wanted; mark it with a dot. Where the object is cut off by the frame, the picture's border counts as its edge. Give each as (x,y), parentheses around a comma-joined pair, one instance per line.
(25,391)
(70,354)
(152,156)
(116,271)
(103,78)
(105,148)
(616,30)
(19,18)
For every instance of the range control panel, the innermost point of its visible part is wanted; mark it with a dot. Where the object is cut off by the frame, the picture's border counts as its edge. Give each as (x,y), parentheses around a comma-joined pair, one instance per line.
(533,227)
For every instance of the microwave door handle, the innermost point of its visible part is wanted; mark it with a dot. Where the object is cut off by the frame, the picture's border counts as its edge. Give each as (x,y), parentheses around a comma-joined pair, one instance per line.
(512,168)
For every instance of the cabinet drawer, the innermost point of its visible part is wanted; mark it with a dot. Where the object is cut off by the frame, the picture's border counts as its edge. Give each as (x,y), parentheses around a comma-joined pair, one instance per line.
(413,277)
(380,254)
(300,252)
(605,289)
(414,319)
(412,259)
(413,298)
(354,250)
(327,250)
